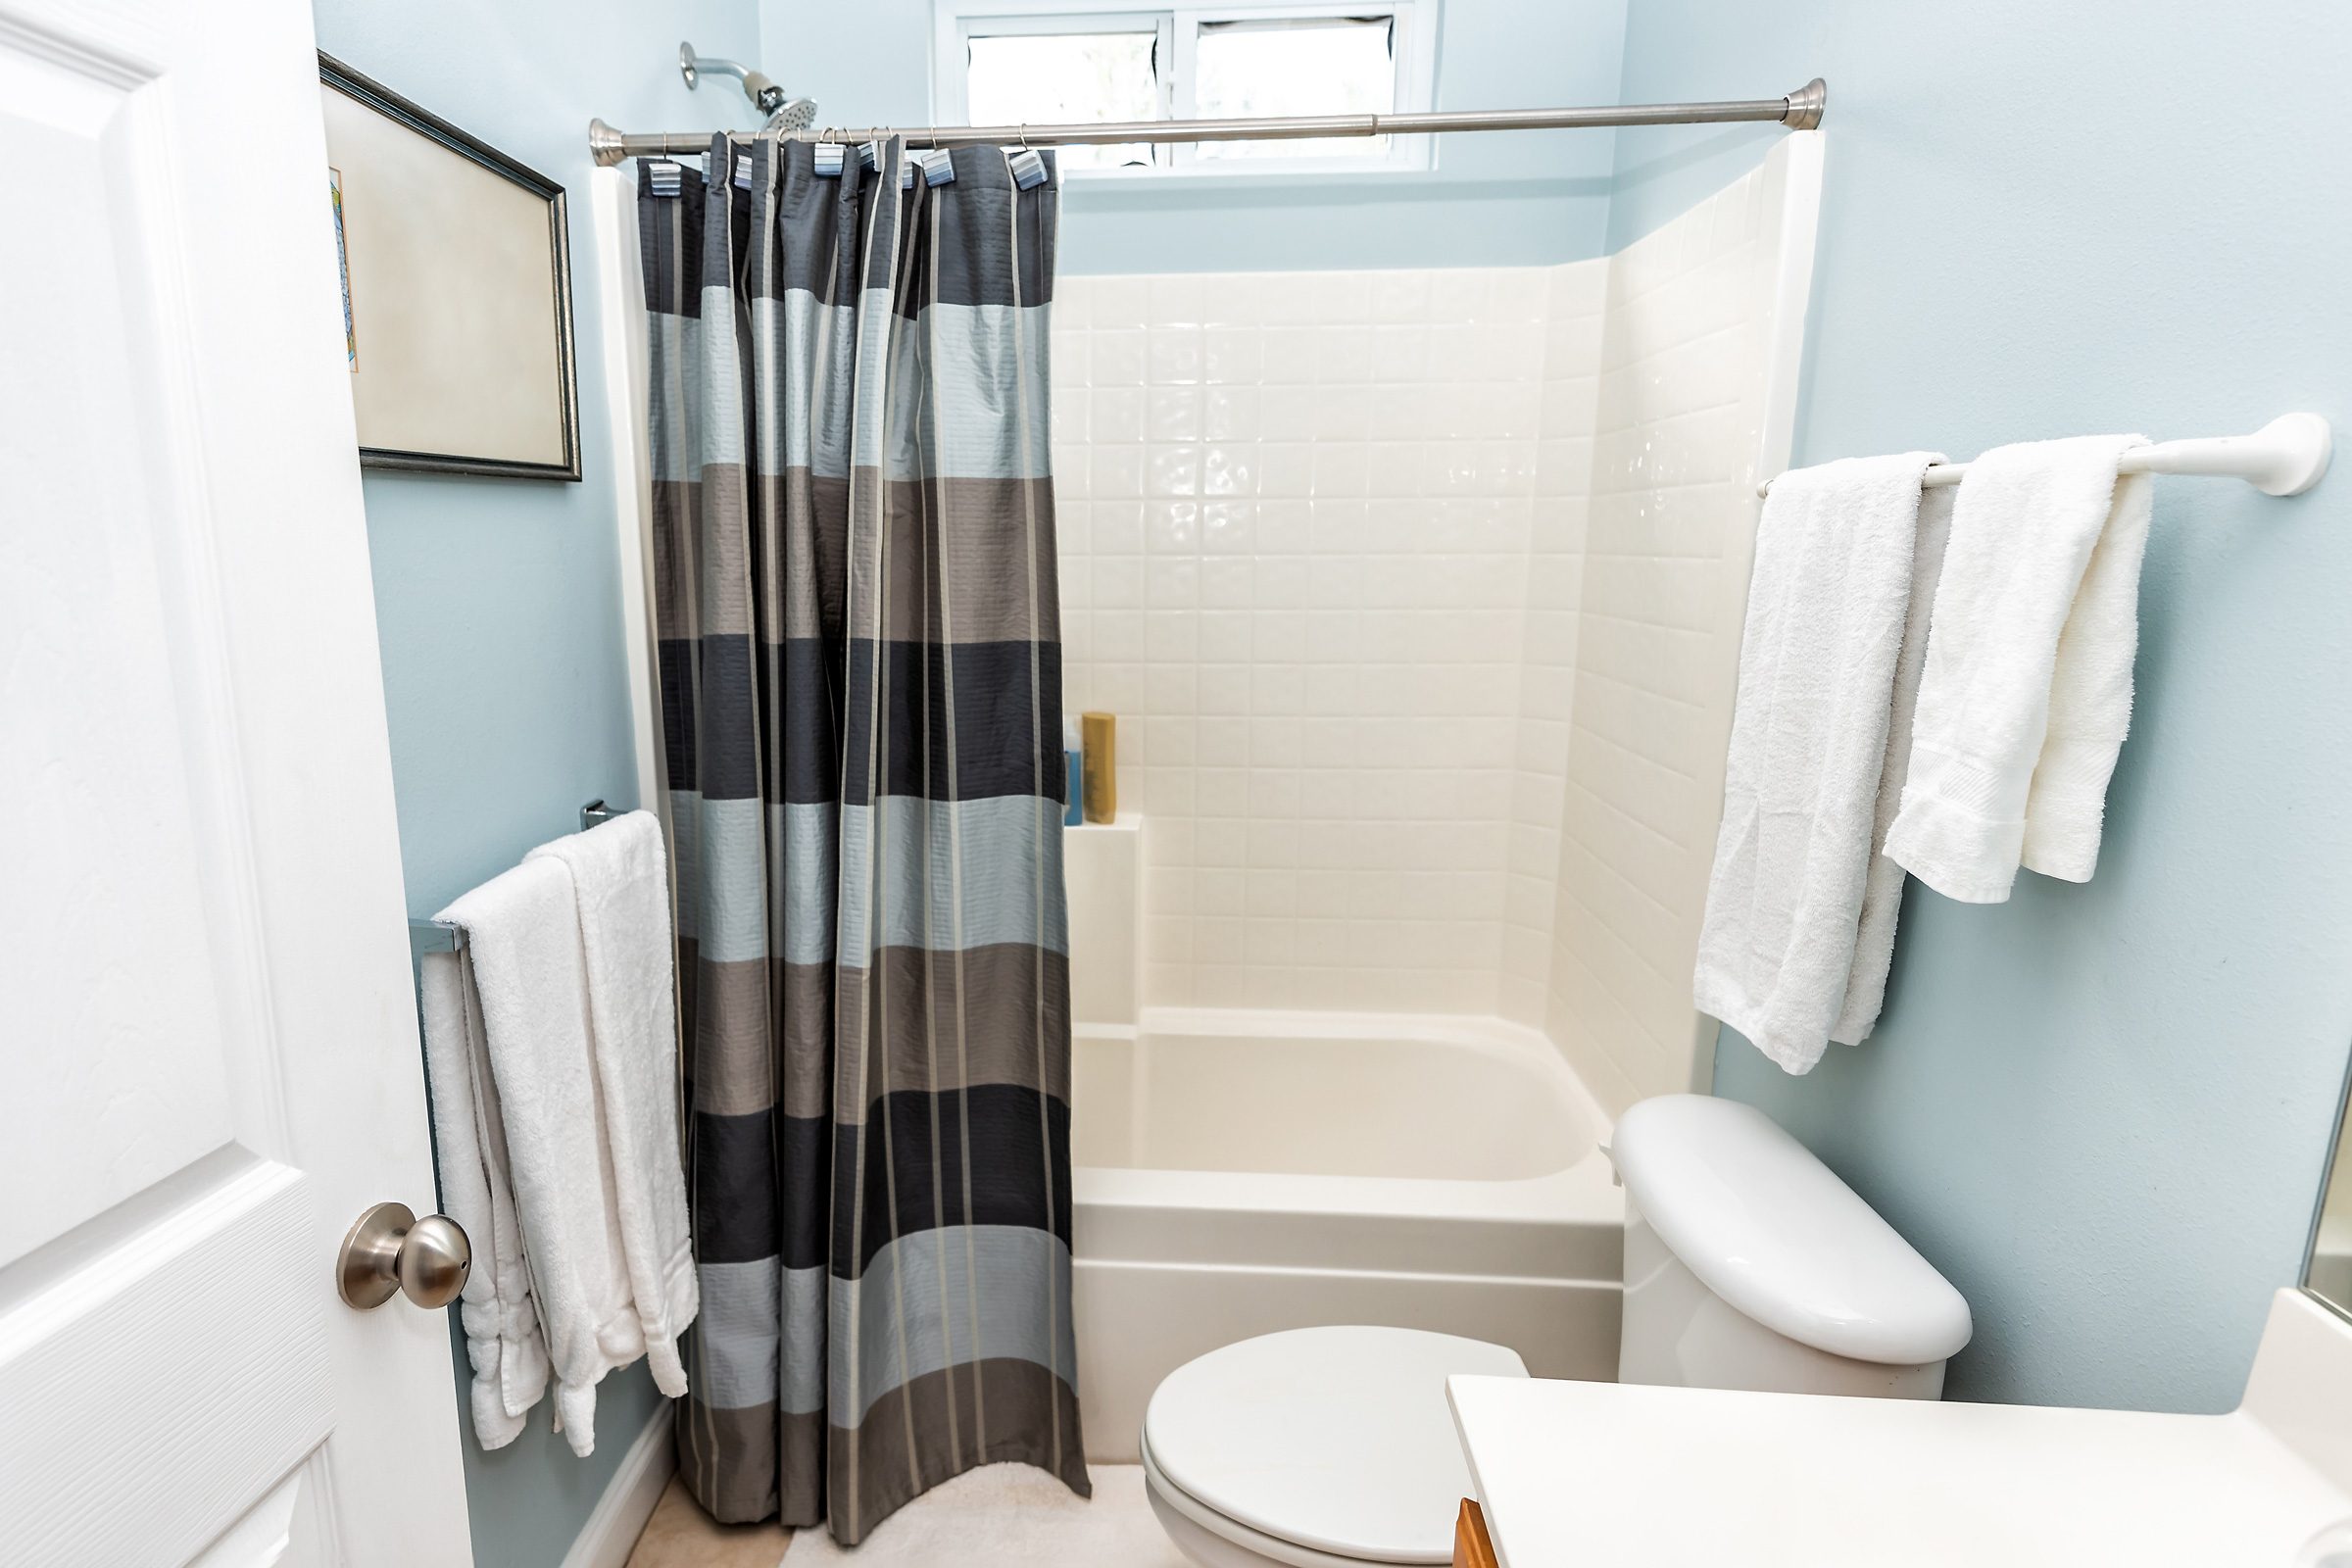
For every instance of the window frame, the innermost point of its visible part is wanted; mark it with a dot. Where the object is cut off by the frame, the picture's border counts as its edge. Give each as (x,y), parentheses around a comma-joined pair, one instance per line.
(955,23)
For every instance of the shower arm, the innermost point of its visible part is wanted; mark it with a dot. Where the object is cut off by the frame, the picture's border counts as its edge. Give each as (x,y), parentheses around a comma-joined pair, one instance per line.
(1801,110)
(758,86)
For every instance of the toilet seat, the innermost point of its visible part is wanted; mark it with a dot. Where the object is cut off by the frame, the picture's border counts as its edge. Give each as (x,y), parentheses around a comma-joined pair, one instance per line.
(1328,1448)
(1209,1538)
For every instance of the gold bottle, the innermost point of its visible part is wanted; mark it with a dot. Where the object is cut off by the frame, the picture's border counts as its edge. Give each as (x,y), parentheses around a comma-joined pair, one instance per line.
(1098,767)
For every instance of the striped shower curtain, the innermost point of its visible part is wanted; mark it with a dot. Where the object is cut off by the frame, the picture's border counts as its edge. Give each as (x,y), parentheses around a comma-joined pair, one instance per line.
(862,693)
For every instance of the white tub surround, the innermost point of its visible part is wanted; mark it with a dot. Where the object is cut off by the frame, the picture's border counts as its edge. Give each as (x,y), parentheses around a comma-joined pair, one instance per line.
(1296,513)
(1419,594)
(1702,340)
(1241,1174)
(1786,1478)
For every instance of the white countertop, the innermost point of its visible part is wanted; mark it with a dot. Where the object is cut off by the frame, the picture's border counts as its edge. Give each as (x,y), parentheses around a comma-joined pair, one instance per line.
(1597,1475)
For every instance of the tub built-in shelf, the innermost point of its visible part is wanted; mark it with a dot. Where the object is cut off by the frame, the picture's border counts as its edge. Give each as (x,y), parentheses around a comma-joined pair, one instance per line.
(1103,867)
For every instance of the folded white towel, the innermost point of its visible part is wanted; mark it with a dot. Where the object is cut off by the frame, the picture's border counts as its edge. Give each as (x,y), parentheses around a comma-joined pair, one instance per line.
(621,883)
(2020,710)
(502,1330)
(1882,891)
(522,939)
(1827,605)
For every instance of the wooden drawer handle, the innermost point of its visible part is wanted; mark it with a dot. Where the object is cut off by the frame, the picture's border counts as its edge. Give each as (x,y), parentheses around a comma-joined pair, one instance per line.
(1471,1546)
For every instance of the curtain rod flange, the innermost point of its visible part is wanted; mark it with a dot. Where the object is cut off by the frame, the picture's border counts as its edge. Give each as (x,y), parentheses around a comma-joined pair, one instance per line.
(1805,106)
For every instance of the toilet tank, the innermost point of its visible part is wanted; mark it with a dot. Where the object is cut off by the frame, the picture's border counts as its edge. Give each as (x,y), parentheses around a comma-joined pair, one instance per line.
(1748,1264)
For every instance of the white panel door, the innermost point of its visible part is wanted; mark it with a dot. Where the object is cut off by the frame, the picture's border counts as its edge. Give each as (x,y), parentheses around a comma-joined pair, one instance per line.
(208,1053)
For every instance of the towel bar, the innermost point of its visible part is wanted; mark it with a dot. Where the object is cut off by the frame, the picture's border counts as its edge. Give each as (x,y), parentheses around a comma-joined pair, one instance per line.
(2284,458)
(436,936)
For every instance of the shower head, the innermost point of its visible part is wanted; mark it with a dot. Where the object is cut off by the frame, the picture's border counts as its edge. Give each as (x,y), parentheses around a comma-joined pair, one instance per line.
(784,113)
(797,113)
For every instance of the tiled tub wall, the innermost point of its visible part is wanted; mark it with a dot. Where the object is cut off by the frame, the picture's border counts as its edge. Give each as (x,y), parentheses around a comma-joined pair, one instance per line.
(1551,616)
(1318,555)
(1418,595)
(1690,362)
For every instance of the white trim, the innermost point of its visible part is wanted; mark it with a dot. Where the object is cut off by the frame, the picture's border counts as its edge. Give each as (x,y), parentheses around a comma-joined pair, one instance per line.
(1415,58)
(612,1530)
(955,21)
(1802,152)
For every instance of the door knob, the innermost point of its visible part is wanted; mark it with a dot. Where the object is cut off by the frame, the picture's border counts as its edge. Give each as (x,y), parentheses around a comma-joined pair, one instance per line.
(391,1249)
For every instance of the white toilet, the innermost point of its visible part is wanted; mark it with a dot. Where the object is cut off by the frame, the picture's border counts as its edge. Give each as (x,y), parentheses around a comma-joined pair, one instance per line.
(1747,1264)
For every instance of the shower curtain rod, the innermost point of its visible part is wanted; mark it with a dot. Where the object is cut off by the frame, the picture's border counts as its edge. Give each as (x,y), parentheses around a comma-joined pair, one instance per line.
(1800,111)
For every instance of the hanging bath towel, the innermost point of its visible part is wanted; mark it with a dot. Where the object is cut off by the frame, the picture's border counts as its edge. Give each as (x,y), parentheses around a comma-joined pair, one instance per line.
(2028,687)
(1883,889)
(522,940)
(1828,600)
(503,1343)
(621,882)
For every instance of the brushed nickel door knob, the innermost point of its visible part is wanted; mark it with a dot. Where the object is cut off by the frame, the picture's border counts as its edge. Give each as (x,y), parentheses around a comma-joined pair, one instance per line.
(390,1249)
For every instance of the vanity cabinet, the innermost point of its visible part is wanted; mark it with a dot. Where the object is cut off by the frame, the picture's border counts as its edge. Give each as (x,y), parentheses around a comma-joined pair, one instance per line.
(1471,1547)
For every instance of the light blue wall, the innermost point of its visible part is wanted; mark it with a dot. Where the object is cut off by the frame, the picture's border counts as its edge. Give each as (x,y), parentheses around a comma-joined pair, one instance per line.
(1492,201)
(2101,1109)
(497,599)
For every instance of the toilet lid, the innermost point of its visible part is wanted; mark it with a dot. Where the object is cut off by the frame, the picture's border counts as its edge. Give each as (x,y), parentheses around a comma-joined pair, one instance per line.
(1764,1224)
(1337,1439)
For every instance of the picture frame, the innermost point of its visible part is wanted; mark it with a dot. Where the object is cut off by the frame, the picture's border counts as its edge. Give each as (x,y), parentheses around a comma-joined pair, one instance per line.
(457,291)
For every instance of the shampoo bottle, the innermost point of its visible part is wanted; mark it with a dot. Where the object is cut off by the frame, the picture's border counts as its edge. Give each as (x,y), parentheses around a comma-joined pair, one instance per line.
(1101,768)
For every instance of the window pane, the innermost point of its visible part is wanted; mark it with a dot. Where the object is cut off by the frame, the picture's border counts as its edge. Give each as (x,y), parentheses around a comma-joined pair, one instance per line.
(1041,78)
(1307,66)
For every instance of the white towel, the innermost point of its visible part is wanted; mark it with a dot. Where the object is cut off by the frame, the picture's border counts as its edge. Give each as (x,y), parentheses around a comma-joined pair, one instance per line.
(1827,601)
(2091,695)
(522,939)
(1882,891)
(620,881)
(2028,687)
(502,1330)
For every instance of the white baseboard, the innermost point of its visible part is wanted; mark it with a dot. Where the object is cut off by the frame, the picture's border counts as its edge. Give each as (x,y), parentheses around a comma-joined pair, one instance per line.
(604,1542)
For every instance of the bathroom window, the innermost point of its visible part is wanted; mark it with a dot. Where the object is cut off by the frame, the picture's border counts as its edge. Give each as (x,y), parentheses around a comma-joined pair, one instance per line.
(1039,61)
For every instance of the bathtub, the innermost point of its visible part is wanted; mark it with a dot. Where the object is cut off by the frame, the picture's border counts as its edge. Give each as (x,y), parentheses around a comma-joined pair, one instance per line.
(1238,1172)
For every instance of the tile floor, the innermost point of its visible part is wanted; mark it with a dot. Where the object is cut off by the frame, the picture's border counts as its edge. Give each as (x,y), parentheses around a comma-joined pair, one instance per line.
(680,1535)
(1009,1516)
(999,1516)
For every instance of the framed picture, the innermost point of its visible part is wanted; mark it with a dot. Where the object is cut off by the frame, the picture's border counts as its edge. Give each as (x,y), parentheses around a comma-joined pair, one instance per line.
(457,291)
